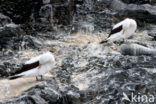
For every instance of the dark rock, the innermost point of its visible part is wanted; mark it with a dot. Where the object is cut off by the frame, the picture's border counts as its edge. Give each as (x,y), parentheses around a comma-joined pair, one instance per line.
(64,12)
(8,69)
(104,20)
(3,71)
(21,10)
(44,93)
(4,20)
(139,1)
(142,13)
(46,14)
(110,81)
(81,77)
(14,38)
(106,79)
(151,30)
(95,12)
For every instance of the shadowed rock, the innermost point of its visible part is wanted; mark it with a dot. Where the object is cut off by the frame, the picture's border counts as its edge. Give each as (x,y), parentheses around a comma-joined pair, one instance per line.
(4,20)
(142,13)
(14,38)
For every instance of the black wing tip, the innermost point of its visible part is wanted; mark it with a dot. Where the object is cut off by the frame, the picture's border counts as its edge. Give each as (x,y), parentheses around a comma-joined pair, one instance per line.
(14,77)
(117,29)
(104,41)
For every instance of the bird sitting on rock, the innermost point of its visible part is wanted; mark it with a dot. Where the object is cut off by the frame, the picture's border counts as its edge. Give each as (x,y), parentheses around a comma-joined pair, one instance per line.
(37,66)
(122,30)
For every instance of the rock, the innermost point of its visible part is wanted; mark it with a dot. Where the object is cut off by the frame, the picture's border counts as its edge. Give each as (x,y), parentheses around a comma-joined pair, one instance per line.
(4,20)
(46,1)
(3,71)
(45,92)
(84,77)
(136,50)
(151,30)
(46,14)
(8,69)
(107,78)
(139,1)
(94,12)
(84,74)
(64,12)
(14,38)
(21,10)
(104,20)
(142,13)
(83,27)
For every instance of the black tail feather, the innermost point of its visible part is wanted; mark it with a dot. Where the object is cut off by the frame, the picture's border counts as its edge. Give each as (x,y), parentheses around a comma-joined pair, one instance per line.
(103,41)
(15,77)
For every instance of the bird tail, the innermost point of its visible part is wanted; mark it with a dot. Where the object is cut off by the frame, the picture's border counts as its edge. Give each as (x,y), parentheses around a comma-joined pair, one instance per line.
(14,77)
(103,41)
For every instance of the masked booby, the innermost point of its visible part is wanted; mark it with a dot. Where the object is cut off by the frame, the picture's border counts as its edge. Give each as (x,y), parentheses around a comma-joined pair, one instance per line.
(37,66)
(122,30)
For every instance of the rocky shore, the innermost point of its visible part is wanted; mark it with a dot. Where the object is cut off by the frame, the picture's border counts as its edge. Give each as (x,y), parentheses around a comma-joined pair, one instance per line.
(86,72)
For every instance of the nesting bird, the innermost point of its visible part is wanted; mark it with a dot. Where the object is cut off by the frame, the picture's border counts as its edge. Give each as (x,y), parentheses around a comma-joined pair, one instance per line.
(37,66)
(122,30)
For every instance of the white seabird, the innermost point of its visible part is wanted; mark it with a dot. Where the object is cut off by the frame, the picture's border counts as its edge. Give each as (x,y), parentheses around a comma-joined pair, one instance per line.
(122,30)
(37,66)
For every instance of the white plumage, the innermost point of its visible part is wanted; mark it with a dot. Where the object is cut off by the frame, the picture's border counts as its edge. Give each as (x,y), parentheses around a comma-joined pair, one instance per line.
(46,63)
(122,30)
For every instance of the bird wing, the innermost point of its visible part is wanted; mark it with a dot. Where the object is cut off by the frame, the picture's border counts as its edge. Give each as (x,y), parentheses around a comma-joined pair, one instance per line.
(27,67)
(115,30)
